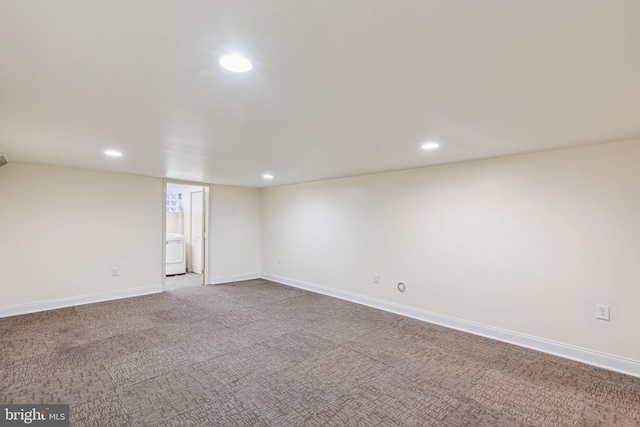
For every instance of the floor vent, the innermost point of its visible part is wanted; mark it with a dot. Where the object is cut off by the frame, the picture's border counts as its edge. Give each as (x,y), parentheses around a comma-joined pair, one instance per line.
(3,160)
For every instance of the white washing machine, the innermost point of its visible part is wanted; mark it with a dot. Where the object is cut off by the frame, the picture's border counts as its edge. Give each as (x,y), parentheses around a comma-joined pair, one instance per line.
(175,255)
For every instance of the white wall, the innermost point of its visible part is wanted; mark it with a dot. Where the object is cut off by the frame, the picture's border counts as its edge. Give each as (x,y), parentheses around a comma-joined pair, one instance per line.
(527,243)
(173,222)
(63,229)
(234,233)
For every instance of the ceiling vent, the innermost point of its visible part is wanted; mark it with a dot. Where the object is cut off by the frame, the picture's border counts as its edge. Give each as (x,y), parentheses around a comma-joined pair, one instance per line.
(3,160)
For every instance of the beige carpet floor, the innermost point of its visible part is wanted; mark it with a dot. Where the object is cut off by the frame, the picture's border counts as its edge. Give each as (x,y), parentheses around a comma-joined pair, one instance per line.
(257,353)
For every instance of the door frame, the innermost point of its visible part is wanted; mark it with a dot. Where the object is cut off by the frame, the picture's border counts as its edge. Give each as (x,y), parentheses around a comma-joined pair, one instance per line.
(206,188)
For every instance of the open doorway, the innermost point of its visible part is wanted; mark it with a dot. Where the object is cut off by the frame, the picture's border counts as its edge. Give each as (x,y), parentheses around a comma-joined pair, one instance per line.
(186,231)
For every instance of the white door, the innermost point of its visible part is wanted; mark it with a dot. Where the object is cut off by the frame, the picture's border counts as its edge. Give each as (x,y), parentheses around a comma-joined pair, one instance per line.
(197,230)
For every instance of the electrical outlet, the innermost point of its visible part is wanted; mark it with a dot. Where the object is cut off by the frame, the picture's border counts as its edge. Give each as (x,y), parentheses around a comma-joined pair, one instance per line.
(115,271)
(278,261)
(602,312)
(376,277)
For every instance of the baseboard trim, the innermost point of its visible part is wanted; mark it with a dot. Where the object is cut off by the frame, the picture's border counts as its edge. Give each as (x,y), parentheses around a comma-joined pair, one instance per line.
(233,278)
(590,357)
(33,307)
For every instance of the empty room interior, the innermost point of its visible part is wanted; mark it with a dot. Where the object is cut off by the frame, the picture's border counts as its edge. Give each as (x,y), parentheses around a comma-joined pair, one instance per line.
(275,213)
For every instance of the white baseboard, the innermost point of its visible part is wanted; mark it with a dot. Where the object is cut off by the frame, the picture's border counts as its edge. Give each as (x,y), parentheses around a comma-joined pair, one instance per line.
(217,280)
(602,360)
(34,307)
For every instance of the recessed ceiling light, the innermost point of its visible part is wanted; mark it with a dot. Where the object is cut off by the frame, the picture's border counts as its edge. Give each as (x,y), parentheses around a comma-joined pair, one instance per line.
(430,145)
(113,153)
(267,176)
(236,63)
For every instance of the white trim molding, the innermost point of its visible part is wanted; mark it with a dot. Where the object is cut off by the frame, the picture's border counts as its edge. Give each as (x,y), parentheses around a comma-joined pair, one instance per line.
(218,280)
(590,357)
(33,307)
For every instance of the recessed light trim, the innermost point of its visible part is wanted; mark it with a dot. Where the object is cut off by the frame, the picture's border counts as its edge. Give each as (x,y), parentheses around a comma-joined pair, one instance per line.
(113,153)
(431,145)
(267,176)
(236,63)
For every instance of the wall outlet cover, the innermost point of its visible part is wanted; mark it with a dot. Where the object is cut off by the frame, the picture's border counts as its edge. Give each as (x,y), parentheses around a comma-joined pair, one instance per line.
(602,311)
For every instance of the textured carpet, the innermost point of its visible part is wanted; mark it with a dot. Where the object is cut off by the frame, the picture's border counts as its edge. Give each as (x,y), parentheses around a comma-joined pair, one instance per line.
(256,353)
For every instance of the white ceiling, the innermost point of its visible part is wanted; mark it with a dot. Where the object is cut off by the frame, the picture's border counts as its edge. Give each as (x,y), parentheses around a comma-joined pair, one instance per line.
(338,88)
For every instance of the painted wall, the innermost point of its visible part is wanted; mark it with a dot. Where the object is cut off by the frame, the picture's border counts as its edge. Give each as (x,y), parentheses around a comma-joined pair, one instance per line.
(173,222)
(234,233)
(527,243)
(63,229)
